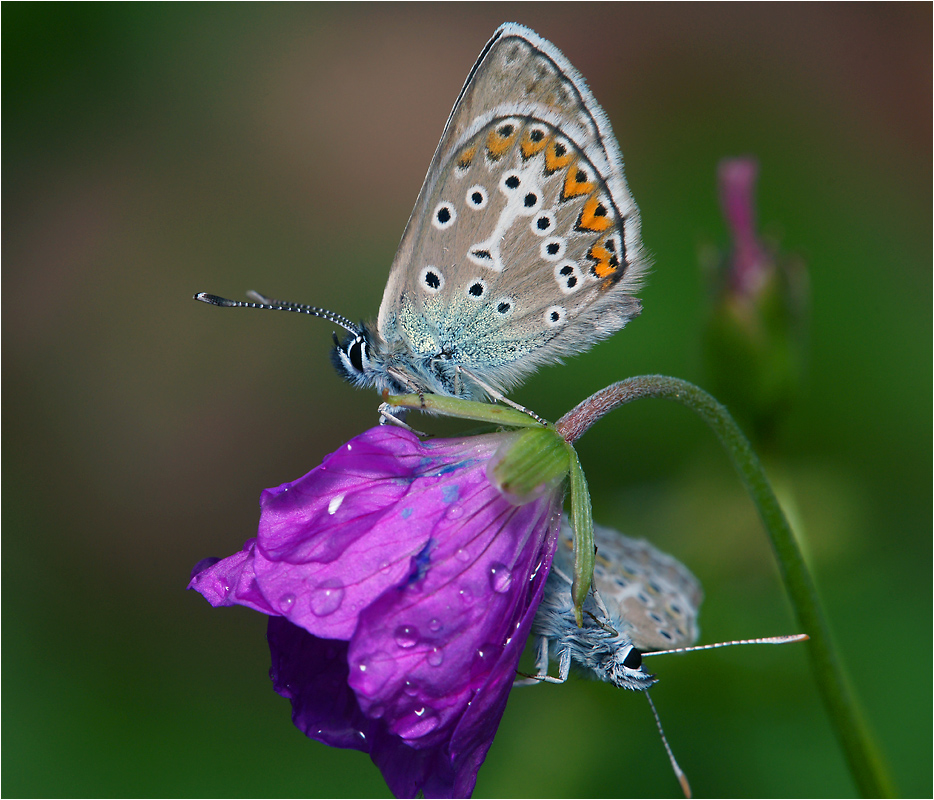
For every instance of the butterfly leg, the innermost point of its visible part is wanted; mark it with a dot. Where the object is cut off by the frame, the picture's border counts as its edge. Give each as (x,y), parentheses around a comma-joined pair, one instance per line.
(387,416)
(541,665)
(498,396)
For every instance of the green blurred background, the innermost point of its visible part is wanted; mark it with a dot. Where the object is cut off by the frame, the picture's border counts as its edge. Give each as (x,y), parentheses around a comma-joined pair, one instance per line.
(152,151)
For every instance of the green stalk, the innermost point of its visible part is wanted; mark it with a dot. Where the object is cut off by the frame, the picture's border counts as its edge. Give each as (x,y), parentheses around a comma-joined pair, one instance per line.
(865,762)
(463,409)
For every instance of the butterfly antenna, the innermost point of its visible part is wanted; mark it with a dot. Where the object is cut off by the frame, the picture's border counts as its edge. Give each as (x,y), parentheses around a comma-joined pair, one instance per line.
(798,637)
(679,773)
(260,301)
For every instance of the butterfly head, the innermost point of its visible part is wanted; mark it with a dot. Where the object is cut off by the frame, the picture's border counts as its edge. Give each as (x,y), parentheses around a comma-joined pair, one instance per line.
(355,360)
(625,669)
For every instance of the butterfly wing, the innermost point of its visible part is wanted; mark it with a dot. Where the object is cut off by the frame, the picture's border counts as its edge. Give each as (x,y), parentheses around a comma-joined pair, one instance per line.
(524,245)
(651,594)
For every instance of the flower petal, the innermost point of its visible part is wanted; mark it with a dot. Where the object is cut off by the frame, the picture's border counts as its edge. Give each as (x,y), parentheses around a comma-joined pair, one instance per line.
(335,540)
(231,581)
(312,673)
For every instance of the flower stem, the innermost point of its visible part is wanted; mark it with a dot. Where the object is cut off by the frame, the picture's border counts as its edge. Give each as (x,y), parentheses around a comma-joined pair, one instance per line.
(865,762)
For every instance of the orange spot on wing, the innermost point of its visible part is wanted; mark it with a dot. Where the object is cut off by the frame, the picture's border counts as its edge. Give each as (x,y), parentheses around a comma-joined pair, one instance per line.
(594,216)
(466,157)
(498,142)
(531,147)
(607,264)
(576,183)
(557,156)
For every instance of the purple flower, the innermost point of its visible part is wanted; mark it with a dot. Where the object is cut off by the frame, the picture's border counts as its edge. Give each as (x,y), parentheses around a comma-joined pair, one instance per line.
(750,261)
(401,586)
(755,339)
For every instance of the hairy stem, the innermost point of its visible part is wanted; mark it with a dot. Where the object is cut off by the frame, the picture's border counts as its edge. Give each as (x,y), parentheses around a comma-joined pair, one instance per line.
(865,763)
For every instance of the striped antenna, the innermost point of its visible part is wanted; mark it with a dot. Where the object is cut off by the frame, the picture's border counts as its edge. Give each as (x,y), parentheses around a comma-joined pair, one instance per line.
(261,301)
(797,637)
(679,773)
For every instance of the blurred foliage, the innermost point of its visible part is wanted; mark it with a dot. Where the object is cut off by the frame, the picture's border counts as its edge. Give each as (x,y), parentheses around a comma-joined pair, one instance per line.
(151,151)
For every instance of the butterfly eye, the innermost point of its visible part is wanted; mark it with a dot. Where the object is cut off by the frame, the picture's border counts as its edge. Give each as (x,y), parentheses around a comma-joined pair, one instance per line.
(357,353)
(633,659)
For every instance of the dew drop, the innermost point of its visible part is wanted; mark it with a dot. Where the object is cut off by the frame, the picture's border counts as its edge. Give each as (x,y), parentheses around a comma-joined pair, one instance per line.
(483,660)
(455,512)
(335,503)
(466,595)
(406,636)
(500,577)
(462,555)
(327,597)
(376,711)
(286,602)
(421,722)
(434,625)
(410,688)
(436,657)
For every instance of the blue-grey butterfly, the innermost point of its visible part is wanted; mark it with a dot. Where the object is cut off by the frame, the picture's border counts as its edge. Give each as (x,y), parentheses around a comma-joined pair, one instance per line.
(643,602)
(524,245)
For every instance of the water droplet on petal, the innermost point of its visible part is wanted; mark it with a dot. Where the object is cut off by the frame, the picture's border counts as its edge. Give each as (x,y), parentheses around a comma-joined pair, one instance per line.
(466,595)
(410,688)
(500,577)
(436,657)
(484,659)
(376,711)
(327,597)
(455,512)
(335,503)
(462,555)
(286,602)
(434,625)
(406,636)
(421,722)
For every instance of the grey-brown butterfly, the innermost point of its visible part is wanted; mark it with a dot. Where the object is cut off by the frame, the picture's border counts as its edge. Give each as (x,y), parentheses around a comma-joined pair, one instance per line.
(524,245)
(643,603)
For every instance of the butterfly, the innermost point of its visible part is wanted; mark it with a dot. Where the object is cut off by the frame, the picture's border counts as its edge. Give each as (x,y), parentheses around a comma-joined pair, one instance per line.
(524,245)
(643,602)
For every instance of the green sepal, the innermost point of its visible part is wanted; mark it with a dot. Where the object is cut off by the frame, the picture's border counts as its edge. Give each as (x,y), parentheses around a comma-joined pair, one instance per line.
(533,461)
(582,525)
